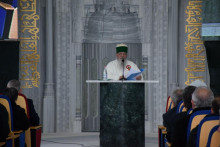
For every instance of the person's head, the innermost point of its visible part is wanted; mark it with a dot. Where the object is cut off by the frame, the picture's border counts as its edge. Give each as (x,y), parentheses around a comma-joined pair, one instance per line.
(216,106)
(187,96)
(11,93)
(177,96)
(202,97)
(15,84)
(121,51)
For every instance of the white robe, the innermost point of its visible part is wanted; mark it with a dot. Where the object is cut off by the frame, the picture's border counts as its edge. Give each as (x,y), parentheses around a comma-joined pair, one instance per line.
(115,69)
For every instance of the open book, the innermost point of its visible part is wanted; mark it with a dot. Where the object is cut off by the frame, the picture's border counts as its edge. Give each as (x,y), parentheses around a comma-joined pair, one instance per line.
(132,74)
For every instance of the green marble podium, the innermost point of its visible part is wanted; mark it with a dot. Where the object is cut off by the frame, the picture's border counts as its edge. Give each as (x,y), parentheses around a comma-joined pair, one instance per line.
(122,114)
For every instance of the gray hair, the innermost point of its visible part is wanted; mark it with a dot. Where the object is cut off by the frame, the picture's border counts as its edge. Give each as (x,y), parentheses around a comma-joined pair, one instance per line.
(14,84)
(177,95)
(203,97)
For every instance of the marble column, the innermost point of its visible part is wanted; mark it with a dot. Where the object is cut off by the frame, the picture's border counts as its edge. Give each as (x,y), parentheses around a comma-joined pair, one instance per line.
(49,97)
(65,65)
(172,46)
(147,27)
(158,63)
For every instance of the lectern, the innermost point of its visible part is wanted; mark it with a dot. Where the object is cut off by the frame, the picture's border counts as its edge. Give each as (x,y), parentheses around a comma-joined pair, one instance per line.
(122,113)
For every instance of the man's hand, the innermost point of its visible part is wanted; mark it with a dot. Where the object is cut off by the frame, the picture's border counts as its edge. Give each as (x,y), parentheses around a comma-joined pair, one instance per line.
(138,77)
(122,78)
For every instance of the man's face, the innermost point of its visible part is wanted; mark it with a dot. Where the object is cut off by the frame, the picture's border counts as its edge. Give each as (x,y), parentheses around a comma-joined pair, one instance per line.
(121,55)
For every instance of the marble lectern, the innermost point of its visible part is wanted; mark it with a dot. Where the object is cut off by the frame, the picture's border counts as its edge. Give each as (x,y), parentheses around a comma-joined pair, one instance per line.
(122,113)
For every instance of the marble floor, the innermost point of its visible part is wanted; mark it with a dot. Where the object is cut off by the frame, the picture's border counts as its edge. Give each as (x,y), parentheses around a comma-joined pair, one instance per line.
(85,140)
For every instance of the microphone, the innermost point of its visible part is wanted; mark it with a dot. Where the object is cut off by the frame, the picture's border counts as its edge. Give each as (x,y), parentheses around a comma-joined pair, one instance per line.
(123,63)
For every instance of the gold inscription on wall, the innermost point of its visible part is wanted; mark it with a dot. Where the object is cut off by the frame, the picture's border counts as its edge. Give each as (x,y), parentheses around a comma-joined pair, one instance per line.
(28,36)
(195,52)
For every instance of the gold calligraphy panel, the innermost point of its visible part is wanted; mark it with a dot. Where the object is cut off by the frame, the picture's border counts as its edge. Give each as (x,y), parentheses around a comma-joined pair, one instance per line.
(29,36)
(195,51)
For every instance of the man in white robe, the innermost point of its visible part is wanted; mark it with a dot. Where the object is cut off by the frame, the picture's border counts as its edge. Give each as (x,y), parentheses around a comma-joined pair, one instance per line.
(114,69)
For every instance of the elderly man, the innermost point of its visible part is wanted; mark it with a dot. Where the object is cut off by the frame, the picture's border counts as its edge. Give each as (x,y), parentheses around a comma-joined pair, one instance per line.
(214,112)
(169,117)
(115,69)
(201,100)
(34,118)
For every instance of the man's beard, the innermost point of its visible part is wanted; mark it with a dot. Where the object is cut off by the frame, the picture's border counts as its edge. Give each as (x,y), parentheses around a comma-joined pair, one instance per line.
(120,61)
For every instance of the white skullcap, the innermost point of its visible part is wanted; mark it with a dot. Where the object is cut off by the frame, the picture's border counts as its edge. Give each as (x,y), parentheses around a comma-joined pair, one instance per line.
(198,83)
(122,44)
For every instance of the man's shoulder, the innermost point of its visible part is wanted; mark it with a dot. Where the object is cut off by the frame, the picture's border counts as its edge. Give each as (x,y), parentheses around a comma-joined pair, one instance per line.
(171,111)
(181,115)
(111,63)
(30,103)
(183,119)
(29,100)
(170,115)
(130,62)
(18,109)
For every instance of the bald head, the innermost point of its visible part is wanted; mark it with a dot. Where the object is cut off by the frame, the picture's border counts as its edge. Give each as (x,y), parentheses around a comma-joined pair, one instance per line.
(202,97)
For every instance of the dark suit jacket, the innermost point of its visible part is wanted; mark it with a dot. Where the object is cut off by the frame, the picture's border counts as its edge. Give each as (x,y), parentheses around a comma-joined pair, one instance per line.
(20,119)
(4,127)
(34,118)
(179,116)
(179,138)
(168,120)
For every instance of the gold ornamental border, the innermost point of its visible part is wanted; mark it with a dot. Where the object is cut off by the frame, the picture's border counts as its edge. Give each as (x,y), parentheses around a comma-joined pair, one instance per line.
(195,51)
(28,36)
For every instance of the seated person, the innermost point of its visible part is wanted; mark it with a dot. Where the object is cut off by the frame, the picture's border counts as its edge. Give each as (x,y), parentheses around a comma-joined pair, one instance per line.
(4,127)
(115,69)
(187,97)
(20,119)
(34,118)
(201,100)
(169,116)
(214,112)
